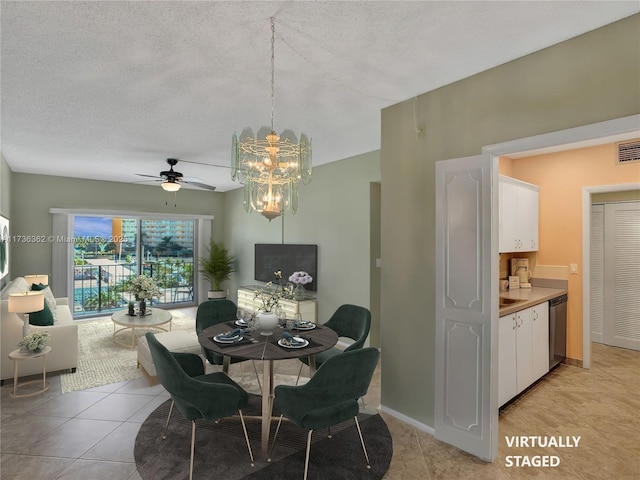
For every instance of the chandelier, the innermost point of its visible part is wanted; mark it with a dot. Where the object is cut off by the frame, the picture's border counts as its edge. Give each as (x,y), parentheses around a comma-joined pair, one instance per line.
(271,166)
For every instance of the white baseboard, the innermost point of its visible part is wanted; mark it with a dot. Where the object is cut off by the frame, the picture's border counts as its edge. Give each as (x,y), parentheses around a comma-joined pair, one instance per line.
(409,420)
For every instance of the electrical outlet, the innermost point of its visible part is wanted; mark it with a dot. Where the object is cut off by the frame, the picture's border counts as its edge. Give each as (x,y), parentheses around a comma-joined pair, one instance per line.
(420,133)
(573,268)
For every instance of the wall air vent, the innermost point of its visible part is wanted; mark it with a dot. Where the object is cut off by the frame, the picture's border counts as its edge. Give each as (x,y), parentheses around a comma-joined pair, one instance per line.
(628,152)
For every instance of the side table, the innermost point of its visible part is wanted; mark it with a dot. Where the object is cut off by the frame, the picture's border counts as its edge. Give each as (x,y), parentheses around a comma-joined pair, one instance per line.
(17,356)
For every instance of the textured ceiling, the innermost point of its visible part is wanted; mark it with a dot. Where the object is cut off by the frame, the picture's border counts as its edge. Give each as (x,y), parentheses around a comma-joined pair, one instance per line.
(110,89)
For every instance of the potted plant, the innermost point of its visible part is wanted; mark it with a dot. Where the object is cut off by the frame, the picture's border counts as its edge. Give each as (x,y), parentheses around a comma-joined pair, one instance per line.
(217,267)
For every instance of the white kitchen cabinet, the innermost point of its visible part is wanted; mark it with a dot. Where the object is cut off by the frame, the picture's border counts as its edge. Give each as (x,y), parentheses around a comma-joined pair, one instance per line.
(507,386)
(308,308)
(523,350)
(518,216)
(540,321)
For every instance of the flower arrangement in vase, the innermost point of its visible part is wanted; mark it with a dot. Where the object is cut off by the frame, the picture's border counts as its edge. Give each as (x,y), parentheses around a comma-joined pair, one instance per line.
(34,342)
(144,288)
(268,298)
(299,279)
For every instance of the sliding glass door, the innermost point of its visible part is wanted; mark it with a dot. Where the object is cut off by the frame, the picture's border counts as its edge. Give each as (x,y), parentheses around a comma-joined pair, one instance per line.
(109,252)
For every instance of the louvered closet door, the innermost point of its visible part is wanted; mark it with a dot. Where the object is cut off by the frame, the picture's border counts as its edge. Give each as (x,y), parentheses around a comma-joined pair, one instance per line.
(597,273)
(622,275)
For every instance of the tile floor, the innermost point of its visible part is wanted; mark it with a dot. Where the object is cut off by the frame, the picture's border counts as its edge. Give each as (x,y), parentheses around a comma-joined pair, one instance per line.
(89,435)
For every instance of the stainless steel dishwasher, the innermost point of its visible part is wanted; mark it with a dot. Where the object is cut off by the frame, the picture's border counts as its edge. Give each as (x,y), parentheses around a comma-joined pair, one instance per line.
(557,330)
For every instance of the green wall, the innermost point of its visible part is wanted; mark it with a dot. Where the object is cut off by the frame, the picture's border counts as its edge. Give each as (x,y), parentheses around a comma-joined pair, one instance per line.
(334,213)
(34,195)
(5,188)
(626,196)
(5,203)
(588,79)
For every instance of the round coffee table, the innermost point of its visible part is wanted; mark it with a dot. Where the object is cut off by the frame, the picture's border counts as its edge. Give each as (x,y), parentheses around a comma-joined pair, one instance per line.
(155,318)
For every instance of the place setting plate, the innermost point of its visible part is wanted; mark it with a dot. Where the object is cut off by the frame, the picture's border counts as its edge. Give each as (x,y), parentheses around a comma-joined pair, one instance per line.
(304,326)
(241,323)
(220,338)
(301,343)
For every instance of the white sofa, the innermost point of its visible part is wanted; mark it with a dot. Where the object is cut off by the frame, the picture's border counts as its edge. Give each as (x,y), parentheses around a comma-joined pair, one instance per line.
(63,336)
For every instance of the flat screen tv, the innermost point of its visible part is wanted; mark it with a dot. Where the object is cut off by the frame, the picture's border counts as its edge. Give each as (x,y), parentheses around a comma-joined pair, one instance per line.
(288,258)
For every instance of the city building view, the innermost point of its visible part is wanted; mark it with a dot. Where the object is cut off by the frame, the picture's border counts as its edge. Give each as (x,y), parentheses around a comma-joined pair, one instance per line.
(110,252)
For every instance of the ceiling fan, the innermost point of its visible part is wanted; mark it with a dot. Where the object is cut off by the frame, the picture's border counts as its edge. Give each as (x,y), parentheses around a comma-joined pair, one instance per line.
(171,179)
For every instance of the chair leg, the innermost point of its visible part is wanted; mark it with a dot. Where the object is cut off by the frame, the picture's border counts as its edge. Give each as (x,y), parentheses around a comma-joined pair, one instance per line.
(299,373)
(275,435)
(166,427)
(193,447)
(246,436)
(329,430)
(364,449)
(306,460)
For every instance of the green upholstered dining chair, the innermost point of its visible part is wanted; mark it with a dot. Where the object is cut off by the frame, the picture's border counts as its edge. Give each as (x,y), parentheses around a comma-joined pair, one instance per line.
(213,312)
(349,321)
(330,397)
(197,396)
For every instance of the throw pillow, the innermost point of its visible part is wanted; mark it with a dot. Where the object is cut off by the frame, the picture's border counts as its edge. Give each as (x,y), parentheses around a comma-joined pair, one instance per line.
(43,318)
(49,299)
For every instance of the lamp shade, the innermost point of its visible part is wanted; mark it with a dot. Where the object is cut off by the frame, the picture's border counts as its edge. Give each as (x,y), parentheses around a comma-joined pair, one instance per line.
(37,279)
(170,186)
(26,302)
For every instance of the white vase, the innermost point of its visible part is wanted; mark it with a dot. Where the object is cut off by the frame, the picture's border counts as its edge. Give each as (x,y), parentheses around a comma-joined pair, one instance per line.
(267,322)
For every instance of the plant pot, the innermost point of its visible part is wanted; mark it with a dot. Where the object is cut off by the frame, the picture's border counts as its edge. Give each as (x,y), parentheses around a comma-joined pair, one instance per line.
(267,322)
(216,294)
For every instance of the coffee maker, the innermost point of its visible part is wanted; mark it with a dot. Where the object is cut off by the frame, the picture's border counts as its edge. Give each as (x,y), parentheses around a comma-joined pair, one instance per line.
(520,269)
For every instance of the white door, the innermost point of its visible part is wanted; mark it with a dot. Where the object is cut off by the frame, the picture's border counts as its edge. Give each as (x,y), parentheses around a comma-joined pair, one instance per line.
(596,258)
(466,383)
(622,275)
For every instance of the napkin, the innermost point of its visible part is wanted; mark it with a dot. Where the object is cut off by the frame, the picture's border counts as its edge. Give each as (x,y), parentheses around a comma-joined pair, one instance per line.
(291,339)
(233,333)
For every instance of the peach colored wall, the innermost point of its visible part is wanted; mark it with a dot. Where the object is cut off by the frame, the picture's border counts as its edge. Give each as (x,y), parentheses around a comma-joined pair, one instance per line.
(561,177)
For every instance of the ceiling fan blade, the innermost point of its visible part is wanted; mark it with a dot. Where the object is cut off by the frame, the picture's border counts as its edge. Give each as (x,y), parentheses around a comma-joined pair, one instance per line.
(204,186)
(206,164)
(150,176)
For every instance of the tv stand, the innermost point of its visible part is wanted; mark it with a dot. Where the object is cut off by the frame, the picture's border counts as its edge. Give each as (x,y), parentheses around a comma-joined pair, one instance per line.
(307,307)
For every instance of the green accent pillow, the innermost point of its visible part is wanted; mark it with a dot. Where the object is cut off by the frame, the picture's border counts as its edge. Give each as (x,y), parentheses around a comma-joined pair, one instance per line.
(49,299)
(43,318)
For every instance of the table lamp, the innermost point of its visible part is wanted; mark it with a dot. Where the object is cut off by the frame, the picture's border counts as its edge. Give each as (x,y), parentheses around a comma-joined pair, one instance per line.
(24,304)
(37,279)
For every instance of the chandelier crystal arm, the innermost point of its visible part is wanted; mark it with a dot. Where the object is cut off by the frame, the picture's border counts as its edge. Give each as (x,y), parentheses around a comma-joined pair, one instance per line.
(270,166)
(273,69)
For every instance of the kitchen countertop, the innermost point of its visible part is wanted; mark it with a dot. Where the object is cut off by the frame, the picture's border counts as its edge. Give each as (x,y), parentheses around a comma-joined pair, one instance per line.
(528,297)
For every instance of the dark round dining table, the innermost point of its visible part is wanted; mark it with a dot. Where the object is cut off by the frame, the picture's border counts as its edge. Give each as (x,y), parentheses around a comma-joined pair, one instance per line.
(265,347)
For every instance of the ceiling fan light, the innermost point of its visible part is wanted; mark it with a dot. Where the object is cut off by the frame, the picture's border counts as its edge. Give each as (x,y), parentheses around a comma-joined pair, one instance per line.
(170,186)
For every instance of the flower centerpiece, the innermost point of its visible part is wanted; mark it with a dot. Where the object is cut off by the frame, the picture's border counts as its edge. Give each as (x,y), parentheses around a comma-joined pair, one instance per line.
(267,299)
(144,288)
(299,279)
(35,341)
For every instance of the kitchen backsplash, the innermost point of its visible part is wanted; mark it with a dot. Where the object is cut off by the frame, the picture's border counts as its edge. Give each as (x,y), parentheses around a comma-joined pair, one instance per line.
(505,262)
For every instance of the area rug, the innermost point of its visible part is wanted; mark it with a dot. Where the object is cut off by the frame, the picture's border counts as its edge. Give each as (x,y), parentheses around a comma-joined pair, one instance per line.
(221,451)
(102,361)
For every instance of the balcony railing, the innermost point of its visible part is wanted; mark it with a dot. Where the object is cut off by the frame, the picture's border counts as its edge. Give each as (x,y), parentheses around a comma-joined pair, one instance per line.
(102,287)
